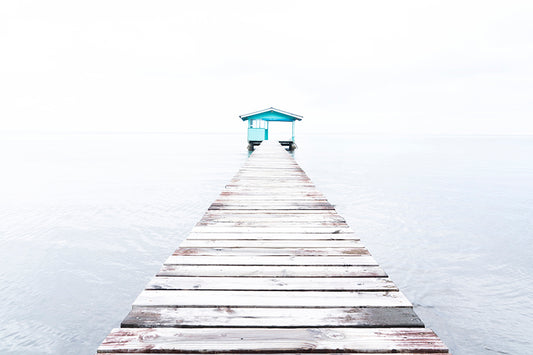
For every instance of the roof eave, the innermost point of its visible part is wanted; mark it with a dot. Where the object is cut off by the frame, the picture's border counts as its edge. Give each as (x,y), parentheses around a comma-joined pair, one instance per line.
(296,117)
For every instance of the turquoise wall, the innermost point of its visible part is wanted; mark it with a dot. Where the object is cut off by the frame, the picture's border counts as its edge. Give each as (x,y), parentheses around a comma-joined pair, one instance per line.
(257,134)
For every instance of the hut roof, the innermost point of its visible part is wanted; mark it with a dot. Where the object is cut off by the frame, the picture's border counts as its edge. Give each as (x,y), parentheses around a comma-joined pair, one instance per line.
(271,114)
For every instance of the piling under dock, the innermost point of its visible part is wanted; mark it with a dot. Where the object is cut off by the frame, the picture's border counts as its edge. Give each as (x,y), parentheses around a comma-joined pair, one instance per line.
(271,268)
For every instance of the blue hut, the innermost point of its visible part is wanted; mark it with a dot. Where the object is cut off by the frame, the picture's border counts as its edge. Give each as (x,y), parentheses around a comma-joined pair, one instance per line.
(258,125)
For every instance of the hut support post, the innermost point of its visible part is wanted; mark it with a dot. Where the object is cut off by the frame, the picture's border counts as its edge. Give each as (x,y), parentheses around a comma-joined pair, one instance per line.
(293,131)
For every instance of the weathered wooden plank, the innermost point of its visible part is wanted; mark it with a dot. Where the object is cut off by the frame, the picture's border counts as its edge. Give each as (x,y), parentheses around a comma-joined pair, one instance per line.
(258,217)
(262,200)
(272,220)
(266,224)
(268,199)
(271,271)
(271,190)
(267,184)
(275,187)
(266,172)
(275,161)
(270,170)
(261,207)
(351,260)
(272,183)
(275,200)
(273,284)
(275,190)
(239,298)
(276,213)
(317,226)
(272,251)
(282,221)
(269,340)
(298,204)
(271,179)
(271,175)
(271,162)
(262,172)
(270,212)
(291,206)
(273,236)
(279,218)
(299,230)
(296,353)
(279,192)
(258,195)
(256,164)
(366,317)
(224,243)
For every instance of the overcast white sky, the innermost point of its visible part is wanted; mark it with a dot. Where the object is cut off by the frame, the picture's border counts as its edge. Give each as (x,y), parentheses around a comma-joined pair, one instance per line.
(439,67)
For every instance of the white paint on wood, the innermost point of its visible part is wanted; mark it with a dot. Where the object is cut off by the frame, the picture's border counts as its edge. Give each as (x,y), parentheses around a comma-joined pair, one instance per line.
(272,271)
(271,317)
(221,243)
(299,230)
(270,260)
(266,284)
(271,340)
(273,236)
(271,251)
(238,298)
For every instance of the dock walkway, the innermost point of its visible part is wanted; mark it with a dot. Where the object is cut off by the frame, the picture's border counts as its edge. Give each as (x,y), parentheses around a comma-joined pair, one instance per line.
(271,268)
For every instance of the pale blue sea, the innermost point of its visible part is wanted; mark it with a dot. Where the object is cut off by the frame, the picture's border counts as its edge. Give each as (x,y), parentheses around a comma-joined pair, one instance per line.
(87,220)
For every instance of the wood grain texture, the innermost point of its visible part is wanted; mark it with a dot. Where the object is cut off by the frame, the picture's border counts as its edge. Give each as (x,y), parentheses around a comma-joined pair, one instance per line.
(352,260)
(272,229)
(364,317)
(303,206)
(266,224)
(272,284)
(273,236)
(302,299)
(271,251)
(228,243)
(323,339)
(296,353)
(271,271)
(269,212)
(271,217)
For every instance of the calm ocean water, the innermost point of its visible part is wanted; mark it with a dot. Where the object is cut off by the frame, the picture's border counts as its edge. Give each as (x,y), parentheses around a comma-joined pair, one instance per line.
(87,220)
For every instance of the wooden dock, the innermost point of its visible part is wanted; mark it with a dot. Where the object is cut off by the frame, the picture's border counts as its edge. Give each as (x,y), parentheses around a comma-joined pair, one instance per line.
(271,268)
